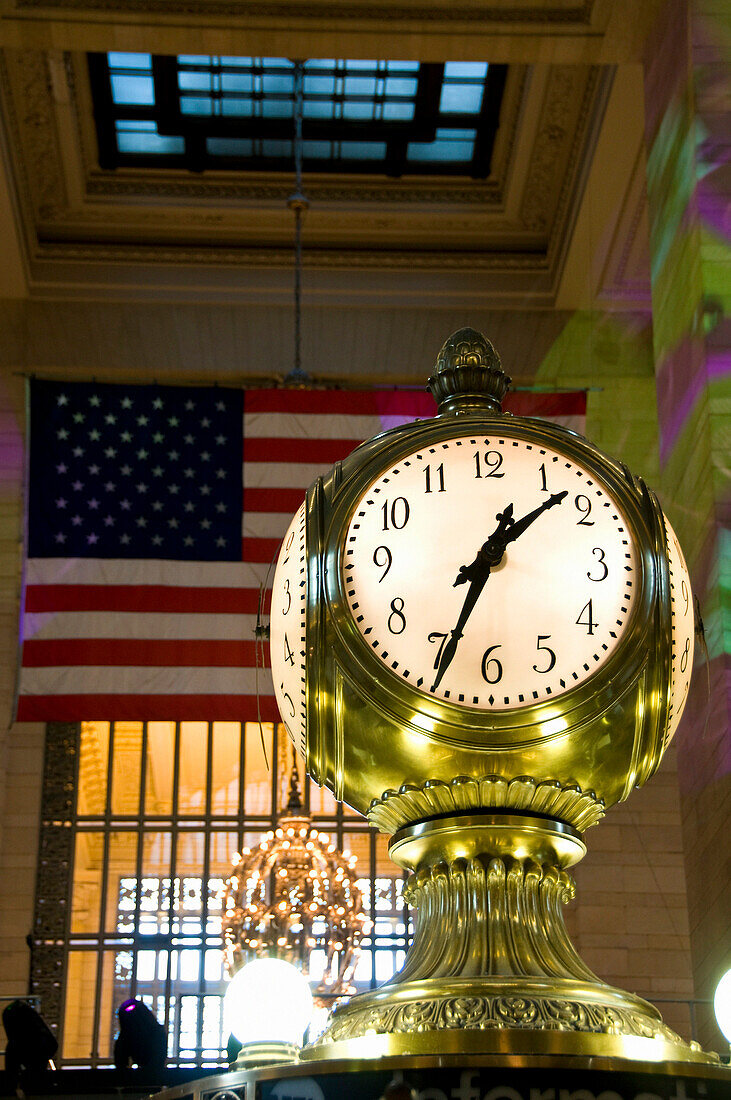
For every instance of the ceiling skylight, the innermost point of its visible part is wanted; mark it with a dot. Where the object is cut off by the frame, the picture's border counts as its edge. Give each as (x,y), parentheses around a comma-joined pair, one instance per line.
(207,112)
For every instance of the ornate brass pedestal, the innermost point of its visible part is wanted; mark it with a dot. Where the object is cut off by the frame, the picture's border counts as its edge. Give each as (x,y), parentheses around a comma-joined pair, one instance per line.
(491,967)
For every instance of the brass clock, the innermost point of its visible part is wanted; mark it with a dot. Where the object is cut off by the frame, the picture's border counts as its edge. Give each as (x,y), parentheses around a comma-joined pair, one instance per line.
(465,595)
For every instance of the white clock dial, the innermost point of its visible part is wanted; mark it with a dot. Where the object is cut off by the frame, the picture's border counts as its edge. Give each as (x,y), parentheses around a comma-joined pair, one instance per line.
(288,623)
(546,570)
(683,632)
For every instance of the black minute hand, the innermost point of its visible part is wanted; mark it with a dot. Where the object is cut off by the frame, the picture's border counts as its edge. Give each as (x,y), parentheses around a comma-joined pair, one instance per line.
(490,554)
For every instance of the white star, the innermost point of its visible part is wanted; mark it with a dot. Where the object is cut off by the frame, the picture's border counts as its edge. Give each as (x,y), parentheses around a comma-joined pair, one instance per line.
(93,504)
(78,486)
(189,506)
(94,469)
(125,505)
(78,452)
(220,405)
(205,422)
(109,521)
(62,434)
(205,490)
(142,421)
(156,539)
(220,439)
(61,503)
(220,474)
(158,437)
(172,522)
(60,537)
(126,402)
(173,455)
(173,489)
(188,540)
(190,405)
(61,468)
(189,438)
(221,507)
(94,435)
(205,524)
(92,538)
(76,520)
(110,486)
(205,456)
(157,403)
(157,471)
(79,418)
(173,421)
(142,454)
(124,539)
(157,505)
(141,487)
(110,452)
(126,437)
(220,541)
(94,400)
(126,470)
(110,418)
(141,521)
(62,399)
(189,472)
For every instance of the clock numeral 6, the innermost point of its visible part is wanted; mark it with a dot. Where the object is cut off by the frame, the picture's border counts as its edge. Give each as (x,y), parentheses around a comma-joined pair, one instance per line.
(397,619)
(487,660)
(398,513)
(545,649)
(383,561)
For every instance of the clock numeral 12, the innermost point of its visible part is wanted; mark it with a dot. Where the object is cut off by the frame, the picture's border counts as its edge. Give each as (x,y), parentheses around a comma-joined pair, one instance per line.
(493,460)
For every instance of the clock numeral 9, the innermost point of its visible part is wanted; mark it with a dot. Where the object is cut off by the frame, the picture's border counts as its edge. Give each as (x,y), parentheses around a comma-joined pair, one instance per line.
(684,593)
(384,561)
(492,460)
(427,476)
(397,619)
(545,649)
(398,513)
(598,550)
(487,660)
(583,505)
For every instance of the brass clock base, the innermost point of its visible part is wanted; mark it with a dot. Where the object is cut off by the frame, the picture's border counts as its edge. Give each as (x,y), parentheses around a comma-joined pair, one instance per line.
(491,966)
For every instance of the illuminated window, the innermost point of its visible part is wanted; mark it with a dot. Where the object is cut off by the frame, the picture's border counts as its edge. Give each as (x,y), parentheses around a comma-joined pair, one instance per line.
(207,111)
(157,811)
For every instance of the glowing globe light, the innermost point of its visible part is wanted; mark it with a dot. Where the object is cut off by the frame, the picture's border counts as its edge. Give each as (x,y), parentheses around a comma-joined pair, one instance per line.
(722,1005)
(268,1006)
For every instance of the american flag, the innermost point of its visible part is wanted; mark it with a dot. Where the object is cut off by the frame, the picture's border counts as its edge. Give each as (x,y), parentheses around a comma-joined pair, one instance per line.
(149,538)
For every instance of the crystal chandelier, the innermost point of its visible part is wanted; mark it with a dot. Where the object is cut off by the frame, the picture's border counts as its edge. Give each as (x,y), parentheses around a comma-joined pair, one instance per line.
(293,895)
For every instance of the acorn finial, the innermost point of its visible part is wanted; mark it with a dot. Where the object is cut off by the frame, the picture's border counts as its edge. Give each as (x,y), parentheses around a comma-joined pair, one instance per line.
(468,375)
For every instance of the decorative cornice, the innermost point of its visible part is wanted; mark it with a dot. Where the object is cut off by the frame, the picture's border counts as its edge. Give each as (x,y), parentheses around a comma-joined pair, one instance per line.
(411,803)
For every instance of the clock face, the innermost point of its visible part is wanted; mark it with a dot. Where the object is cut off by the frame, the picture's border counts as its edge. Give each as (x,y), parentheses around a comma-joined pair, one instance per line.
(288,620)
(490,572)
(683,631)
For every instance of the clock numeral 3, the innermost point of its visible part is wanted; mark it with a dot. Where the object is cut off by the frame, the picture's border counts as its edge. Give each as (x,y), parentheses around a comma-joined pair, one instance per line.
(487,660)
(598,550)
(398,514)
(589,622)
(545,649)
(288,594)
(493,460)
(382,564)
(397,616)
(427,475)
(583,505)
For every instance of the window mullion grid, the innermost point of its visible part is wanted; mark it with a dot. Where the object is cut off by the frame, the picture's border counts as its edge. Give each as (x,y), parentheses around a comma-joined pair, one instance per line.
(103,900)
(171,894)
(207,834)
(138,861)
